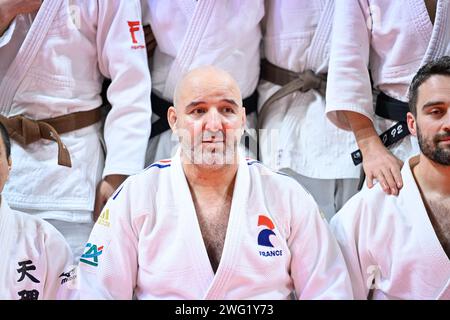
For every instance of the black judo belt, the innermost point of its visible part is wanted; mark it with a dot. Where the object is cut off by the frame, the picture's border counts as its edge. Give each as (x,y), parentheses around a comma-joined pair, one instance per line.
(160,107)
(393,109)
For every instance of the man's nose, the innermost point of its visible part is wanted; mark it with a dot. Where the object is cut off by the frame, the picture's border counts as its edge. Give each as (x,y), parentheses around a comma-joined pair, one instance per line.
(446,124)
(213,121)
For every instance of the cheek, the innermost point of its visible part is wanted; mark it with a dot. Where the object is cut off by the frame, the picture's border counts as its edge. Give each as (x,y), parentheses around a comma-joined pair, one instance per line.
(234,122)
(195,128)
(234,127)
(190,129)
(429,128)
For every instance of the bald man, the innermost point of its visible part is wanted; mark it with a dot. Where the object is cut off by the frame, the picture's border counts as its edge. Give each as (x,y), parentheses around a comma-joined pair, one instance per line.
(209,223)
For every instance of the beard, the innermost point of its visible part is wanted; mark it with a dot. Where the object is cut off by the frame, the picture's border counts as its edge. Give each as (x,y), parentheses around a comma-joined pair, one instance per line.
(216,155)
(431,149)
(212,155)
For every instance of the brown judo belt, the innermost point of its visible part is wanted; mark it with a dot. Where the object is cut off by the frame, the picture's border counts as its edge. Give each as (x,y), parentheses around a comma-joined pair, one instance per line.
(26,131)
(290,82)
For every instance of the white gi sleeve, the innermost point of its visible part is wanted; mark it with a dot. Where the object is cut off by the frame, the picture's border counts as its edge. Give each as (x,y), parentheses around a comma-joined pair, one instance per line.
(352,235)
(7,34)
(60,280)
(108,267)
(317,266)
(123,59)
(348,83)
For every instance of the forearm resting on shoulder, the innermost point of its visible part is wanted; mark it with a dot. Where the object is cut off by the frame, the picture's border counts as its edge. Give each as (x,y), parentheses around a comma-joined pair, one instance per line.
(363,129)
(378,162)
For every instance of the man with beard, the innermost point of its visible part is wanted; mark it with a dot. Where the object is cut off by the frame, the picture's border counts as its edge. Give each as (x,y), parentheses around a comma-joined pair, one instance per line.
(209,223)
(398,247)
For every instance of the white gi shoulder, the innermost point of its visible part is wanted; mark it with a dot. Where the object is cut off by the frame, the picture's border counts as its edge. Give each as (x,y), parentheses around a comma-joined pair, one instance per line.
(282,191)
(33,226)
(367,206)
(274,179)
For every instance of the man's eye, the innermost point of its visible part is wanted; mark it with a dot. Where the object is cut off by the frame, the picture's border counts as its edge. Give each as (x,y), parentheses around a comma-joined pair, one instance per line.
(198,111)
(435,111)
(228,110)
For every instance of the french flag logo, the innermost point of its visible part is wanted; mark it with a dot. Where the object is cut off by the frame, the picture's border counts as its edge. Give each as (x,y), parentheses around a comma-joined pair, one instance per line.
(263,236)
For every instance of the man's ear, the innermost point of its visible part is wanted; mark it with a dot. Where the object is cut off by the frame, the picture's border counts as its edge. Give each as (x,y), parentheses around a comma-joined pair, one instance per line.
(412,125)
(172,118)
(244,116)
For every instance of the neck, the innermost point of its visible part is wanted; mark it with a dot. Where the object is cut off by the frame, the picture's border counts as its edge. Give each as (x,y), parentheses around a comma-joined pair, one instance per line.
(432,177)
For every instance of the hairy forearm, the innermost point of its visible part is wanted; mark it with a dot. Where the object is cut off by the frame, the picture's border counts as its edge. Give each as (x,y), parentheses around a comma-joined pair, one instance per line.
(378,163)
(9,9)
(363,129)
(5,19)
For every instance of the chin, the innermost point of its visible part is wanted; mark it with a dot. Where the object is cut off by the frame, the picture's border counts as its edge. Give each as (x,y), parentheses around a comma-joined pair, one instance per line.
(217,159)
(211,167)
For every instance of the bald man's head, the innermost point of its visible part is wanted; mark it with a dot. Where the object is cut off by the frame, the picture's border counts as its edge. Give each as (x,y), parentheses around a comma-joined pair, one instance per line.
(208,116)
(204,80)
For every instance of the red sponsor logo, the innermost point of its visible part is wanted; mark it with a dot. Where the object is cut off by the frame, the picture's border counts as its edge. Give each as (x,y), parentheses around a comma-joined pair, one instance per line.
(134,27)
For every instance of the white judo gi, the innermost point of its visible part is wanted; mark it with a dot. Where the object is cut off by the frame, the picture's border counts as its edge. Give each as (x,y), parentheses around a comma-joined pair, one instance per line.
(191,34)
(36,260)
(59,69)
(148,240)
(297,136)
(390,245)
(391,38)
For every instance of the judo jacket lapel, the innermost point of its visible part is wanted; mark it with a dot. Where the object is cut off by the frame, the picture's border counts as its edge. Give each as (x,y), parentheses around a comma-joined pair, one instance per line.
(440,38)
(27,53)
(230,254)
(195,31)
(197,254)
(431,251)
(213,285)
(321,39)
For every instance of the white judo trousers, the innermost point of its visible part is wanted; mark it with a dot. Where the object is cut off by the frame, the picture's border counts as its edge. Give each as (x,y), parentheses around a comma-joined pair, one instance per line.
(191,34)
(70,47)
(392,39)
(36,261)
(148,240)
(390,245)
(297,137)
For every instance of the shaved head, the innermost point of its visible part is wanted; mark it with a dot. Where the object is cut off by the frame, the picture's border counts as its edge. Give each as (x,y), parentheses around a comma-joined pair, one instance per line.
(208,116)
(208,78)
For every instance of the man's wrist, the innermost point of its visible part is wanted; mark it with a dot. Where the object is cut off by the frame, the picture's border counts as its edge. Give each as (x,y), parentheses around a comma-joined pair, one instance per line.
(369,143)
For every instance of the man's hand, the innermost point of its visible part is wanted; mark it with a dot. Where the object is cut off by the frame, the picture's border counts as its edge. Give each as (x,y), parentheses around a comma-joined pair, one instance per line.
(105,189)
(9,9)
(378,162)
